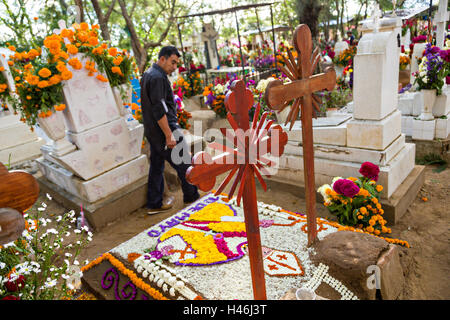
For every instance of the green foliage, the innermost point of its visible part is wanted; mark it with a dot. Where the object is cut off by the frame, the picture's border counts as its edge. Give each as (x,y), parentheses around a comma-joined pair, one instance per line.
(43,257)
(337,98)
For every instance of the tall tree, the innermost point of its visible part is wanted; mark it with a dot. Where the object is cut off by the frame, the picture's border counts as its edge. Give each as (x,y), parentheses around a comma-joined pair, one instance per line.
(103,18)
(308,13)
(149,37)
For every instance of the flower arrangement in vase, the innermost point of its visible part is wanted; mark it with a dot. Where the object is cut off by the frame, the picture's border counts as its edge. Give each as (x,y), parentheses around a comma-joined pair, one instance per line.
(346,57)
(215,98)
(183,115)
(404,61)
(356,201)
(432,69)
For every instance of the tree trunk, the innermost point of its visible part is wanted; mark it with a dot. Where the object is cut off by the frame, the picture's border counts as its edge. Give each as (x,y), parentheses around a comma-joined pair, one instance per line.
(79,4)
(103,18)
(258,25)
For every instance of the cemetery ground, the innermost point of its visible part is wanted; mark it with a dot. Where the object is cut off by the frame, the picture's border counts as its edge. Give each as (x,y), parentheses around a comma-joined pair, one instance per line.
(425,226)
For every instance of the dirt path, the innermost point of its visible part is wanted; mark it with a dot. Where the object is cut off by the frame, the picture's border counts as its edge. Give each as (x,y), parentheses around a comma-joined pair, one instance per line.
(425,226)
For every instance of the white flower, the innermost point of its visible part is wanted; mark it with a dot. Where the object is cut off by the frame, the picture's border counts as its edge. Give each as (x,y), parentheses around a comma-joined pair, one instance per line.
(2,265)
(58,218)
(77,231)
(50,283)
(219,88)
(322,190)
(27,235)
(52,230)
(49,197)
(67,254)
(425,79)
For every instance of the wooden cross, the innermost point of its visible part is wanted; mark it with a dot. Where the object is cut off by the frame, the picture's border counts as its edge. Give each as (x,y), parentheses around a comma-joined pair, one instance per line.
(278,96)
(246,158)
(19,190)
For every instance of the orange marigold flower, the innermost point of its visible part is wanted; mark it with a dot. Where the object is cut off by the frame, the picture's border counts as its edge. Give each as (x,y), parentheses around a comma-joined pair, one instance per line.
(82,36)
(379,188)
(10,63)
(117,61)
(101,78)
(33,53)
(72,49)
(55,79)
(84,26)
(60,107)
(66,75)
(424,199)
(43,84)
(12,48)
(93,41)
(112,51)
(45,73)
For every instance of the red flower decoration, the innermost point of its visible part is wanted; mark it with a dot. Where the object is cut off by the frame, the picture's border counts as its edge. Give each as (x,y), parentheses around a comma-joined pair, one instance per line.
(370,170)
(13,286)
(10,297)
(346,187)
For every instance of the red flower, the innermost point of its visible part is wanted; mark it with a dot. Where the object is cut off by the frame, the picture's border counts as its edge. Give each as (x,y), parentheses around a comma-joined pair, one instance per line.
(13,286)
(10,297)
(346,187)
(370,170)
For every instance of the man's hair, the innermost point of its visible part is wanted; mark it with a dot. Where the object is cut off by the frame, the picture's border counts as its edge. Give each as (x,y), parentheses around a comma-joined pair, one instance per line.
(167,51)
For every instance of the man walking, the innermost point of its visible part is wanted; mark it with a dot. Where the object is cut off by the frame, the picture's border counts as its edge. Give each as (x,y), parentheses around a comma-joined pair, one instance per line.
(161,130)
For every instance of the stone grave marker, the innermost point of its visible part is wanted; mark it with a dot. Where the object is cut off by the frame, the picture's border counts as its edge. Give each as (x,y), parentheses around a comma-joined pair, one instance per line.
(107,164)
(209,36)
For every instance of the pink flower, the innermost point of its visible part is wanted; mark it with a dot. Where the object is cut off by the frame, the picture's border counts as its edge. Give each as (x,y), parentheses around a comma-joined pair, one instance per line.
(370,170)
(346,187)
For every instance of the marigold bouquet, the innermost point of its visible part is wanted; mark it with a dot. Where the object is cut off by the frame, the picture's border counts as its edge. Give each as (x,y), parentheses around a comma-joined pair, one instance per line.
(346,57)
(404,61)
(356,201)
(190,85)
(38,80)
(39,75)
(215,98)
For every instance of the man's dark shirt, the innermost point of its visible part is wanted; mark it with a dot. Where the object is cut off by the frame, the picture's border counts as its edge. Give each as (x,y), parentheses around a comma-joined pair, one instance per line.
(155,88)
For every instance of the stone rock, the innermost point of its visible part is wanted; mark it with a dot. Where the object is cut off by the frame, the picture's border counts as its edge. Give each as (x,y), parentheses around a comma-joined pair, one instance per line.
(391,273)
(348,255)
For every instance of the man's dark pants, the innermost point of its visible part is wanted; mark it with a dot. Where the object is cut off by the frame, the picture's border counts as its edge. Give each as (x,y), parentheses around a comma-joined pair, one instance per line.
(156,175)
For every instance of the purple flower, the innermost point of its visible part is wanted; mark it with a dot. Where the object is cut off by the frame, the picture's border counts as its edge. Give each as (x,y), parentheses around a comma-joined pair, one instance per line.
(156,254)
(210,99)
(346,188)
(167,250)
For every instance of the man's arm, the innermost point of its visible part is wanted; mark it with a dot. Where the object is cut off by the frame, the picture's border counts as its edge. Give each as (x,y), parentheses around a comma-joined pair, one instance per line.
(164,125)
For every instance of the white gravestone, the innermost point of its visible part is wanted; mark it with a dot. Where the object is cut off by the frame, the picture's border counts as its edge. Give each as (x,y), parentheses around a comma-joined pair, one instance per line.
(440,20)
(108,155)
(209,36)
(17,142)
(339,47)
